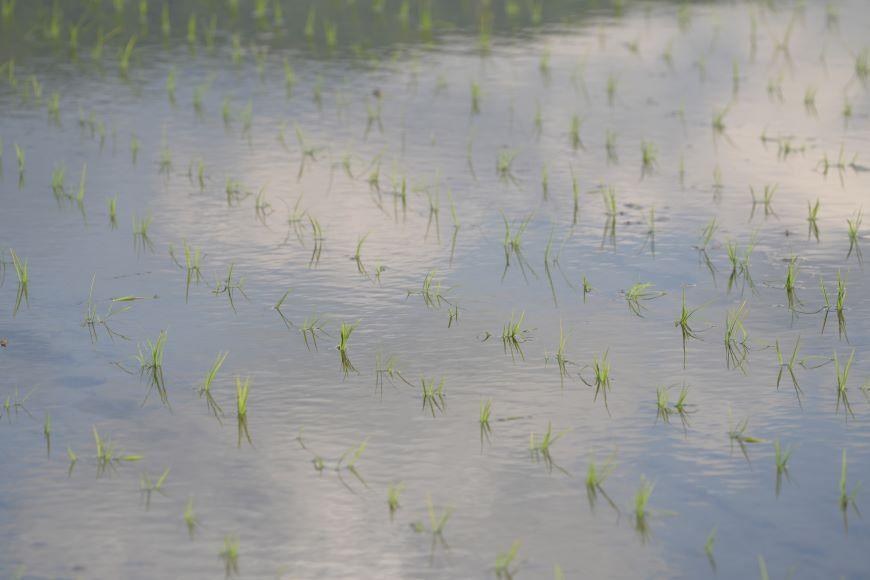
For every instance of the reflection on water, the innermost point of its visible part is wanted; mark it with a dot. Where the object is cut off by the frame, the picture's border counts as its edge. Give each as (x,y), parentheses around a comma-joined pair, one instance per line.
(501,202)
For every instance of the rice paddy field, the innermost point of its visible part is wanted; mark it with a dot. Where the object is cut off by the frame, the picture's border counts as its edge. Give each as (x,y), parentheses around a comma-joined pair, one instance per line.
(434,289)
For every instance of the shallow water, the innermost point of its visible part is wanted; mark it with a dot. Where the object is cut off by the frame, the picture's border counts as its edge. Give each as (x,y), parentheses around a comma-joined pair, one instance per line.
(295,520)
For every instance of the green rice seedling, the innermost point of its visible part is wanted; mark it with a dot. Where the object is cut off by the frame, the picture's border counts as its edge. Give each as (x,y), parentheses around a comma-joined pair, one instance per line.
(719,116)
(685,325)
(649,156)
(310,328)
(663,405)
(560,356)
(452,315)
(541,448)
(810,100)
(308,153)
(854,225)
(229,285)
(126,55)
(596,475)
(437,522)
(839,305)
(708,547)
(513,242)
(262,208)
(575,192)
(601,380)
(737,434)
(205,386)
(765,199)
(230,555)
(842,378)
(576,123)
(53,108)
(505,560)
(476,96)
(587,287)
(485,415)
(386,367)
(46,432)
(357,256)
(610,201)
(279,304)
(147,486)
(841,164)
(639,293)
(812,217)
(736,338)
(504,164)
(141,240)
(354,453)
(612,82)
(433,292)
(16,402)
(740,264)
(862,65)
(789,365)
(150,361)
(641,500)
(19,156)
(93,318)
(73,459)
(345,332)
(190,519)
(23,276)
(790,284)
(433,396)
(610,146)
(108,457)
(242,391)
(781,457)
(112,207)
(393,492)
(513,335)
(762,568)
(846,498)
(289,76)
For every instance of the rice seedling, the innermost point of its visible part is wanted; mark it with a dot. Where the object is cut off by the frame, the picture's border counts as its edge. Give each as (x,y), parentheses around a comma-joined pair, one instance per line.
(452,315)
(230,555)
(541,448)
(559,356)
(190,519)
(576,123)
(596,475)
(736,338)
(513,335)
(719,116)
(504,164)
(684,323)
(387,368)
(93,319)
(437,522)
(810,100)
(308,153)
(842,378)
(740,264)
(575,192)
(108,456)
(19,156)
(204,388)
(229,285)
(357,256)
(126,55)
(150,359)
(737,434)
(112,207)
(812,217)
(147,486)
(839,304)
(484,417)
(781,457)
(433,395)
(23,276)
(393,492)
(612,82)
(310,328)
(434,294)
(847,499)
(15,403)
(46,433)
(790,284)
(862,65)
(649,157)
(505,560)
(765,199)
(475,98)
(587,287)
(513,242)
(854,225)
(708,547)
(601,369)
(345,332)
(639,293)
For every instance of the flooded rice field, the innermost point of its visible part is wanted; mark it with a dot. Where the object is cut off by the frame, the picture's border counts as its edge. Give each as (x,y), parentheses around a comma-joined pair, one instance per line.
(419,289)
